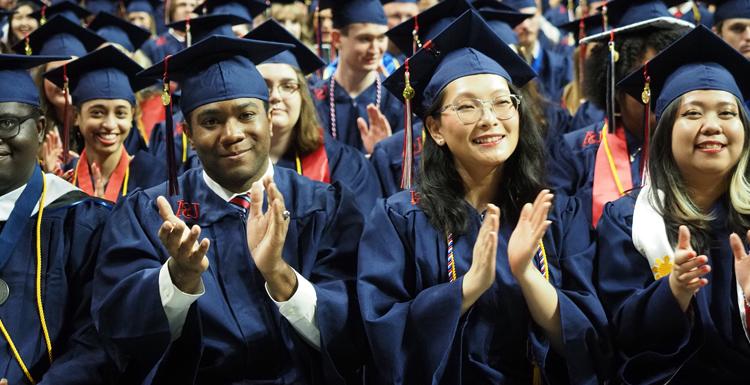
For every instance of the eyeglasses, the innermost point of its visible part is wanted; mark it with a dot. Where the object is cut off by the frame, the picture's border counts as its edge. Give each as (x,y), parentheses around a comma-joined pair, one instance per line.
(285,89)
(470,110)
(10,126)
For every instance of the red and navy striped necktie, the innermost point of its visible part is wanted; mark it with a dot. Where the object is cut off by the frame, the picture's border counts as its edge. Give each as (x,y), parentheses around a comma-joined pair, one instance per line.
(241,201)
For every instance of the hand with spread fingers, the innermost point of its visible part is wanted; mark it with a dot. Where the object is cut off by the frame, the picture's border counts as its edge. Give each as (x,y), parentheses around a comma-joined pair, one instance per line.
(741,262)
(688,270)
(188,256)
(378,129)
(266,234)
(524,242)
(482,272)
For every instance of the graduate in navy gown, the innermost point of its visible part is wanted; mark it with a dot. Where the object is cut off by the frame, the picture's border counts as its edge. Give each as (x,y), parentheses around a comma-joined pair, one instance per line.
(298,141)
(387,157)
(266,296)
(673,270)
(396,12)
(555,68)
(201,28)
(519,308)
(730,21)
(102,86)
(170,41)
(49,233)
(352,104)
(580,164)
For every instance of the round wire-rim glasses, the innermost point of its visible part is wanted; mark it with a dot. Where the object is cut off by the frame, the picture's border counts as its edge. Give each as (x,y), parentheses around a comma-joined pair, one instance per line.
(470,110)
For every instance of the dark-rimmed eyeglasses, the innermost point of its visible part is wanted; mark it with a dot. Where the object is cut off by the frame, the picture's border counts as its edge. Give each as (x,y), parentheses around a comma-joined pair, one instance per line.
(10,126)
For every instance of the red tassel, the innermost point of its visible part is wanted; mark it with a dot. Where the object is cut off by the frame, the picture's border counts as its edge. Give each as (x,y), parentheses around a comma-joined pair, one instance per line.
(173,184)
(66,124)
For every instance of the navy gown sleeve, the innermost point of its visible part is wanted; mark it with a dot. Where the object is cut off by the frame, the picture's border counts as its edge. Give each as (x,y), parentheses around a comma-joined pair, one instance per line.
(653,335)
(563,168)
(80,358)
(410,328)
(126,282)
(586,342)
(343,345)
(350,167)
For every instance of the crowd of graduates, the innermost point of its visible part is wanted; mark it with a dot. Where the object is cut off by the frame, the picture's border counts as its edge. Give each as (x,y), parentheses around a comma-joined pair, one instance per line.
(374,192)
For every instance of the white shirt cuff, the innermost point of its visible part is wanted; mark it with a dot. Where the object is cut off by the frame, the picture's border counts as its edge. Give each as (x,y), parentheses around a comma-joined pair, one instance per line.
(300,309)
(176,303)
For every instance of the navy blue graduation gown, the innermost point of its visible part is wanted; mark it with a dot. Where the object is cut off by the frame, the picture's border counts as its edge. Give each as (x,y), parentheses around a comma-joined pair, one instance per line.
(586,115)
(349,167)
(571,164)
(164,44)
(234,333)
(557,15)
(387,159)
(158,147)
(348,110)
(145,171)
(656,341)
(555,70)
(70,231)
(412,312)
(134,142)
(558,121)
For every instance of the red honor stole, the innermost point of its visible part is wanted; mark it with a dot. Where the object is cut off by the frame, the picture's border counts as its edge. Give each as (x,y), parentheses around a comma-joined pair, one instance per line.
(612,176)
(117,181)
(315,164)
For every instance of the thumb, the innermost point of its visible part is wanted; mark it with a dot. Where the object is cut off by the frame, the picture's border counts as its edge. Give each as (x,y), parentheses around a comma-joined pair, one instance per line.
(683,241)
(165,210)
(738,249)
(3,382)
(364,130)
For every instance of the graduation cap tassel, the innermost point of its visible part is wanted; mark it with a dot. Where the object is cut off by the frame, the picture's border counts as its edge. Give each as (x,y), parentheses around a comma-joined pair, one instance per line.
(166,100)
(696,13)
(581,52)
(66,123)
(646,99)
(27,45)
(188,37)
(613,57)
(571,10)
(408,149)
(416,44)
(318,36)
(43,19)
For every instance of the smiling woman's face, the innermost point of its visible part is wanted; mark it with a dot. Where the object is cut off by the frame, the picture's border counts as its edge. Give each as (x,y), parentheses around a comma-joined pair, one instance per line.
(489,141)
(707,135)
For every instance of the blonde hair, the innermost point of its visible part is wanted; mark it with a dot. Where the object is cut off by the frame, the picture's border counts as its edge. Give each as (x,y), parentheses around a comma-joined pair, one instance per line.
(307,136)
(297,12)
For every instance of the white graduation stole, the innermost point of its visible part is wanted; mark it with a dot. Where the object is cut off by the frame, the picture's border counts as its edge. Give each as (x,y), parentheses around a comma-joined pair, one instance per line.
(650,233)
(650,239)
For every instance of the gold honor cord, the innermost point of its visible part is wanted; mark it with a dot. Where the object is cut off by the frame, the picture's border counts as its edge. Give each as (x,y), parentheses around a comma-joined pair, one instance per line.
(40,306)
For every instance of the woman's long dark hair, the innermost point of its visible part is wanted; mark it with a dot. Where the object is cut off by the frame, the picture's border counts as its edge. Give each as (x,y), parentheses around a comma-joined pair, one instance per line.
(676,207)
(441,189)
